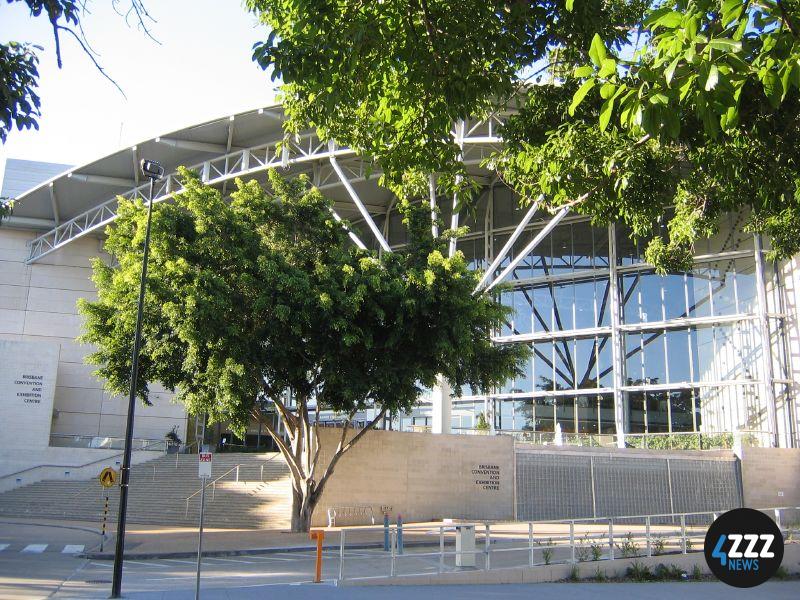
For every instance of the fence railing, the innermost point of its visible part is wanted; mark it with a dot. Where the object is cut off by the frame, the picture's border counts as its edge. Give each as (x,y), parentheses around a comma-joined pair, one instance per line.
(105,443)
(427,549)
(688,440)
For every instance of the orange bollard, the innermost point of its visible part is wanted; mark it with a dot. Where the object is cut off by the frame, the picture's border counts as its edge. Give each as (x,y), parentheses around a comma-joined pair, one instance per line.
(318,535)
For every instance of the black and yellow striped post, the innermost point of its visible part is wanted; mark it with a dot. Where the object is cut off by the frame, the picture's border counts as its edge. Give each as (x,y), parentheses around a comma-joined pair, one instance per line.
(103,530)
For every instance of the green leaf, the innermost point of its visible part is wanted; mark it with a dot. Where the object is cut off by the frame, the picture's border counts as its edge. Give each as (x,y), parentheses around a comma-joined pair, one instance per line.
(713,78)
(670,70)
(570,4)
(725,44)
(607,90)
(583,71)
(773,88)
(669,21)
(609,67)
(605,113)
(597,51)
(580,95)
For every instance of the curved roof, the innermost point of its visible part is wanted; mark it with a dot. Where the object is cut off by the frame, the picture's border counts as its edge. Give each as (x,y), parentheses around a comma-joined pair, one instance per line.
(83,199)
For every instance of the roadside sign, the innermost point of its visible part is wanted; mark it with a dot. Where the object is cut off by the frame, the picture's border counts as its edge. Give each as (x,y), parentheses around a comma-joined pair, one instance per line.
(204,465)
(108,477)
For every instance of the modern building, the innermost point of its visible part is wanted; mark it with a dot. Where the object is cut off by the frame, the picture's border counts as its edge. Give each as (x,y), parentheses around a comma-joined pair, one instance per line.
(618,351)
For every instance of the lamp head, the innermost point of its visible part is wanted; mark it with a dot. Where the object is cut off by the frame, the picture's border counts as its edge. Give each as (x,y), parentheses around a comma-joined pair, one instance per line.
(151,169)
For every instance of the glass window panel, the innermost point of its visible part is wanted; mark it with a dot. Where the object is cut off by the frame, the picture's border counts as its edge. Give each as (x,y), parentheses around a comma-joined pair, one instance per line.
(603,302)
(504,209)
(630,298)
(587,413)
(398,234)
(600,236)
(655,369)
(657,415)
(674,295)
(605,368)
(543,366)
(582,245)
(507,299)
(606,407)
(522,310)
(703,341)
(564,352)
(724,290)
(505,413)
(586,363)
(650,308)
(628,252)
(561,239)
(523,270)
(542,308)
(543,414)
(523,414)
(699,292)
(498,242)
(681,408)
(635,411)
(678,355)
(563,318)
(473,253)
(565,413)
(524,383)
(633,359)
(584,304)
(746,290)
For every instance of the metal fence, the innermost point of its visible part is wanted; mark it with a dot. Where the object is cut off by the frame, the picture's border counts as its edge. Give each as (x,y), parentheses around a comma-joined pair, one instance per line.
(561,485)
(378,552)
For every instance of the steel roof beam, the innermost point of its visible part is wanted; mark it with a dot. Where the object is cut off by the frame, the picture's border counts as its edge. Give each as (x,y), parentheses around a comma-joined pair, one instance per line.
(198,146)
(531,246)
(361,208)
(239,163)
(102,180)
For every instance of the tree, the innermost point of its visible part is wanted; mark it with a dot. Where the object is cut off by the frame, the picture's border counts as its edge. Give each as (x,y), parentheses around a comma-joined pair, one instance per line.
(265,298)
(635,107)
(19,62)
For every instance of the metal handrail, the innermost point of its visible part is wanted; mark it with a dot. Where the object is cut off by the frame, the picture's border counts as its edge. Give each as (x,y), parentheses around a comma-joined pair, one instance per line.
(213,485)
(607,546)
(89,464)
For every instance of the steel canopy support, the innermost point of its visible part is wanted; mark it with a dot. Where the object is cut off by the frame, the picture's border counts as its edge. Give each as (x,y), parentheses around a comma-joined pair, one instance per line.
(509,244)
(529,248)
(460,128)
(103,180)
(54,204)
(196,146)
(350,233)
(768,377)
(357,201)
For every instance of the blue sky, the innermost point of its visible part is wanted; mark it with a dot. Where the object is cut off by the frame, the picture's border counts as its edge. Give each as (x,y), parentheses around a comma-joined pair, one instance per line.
(200,71)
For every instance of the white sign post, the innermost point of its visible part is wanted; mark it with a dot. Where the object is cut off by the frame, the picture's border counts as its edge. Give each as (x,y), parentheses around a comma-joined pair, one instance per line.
(204,473)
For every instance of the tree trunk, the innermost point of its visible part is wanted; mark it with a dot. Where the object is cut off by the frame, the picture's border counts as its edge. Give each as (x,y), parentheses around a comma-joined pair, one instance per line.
(303,506)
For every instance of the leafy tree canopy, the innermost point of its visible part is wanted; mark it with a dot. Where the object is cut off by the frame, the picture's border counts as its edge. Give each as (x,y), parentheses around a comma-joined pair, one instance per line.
(629,107)
(264,296)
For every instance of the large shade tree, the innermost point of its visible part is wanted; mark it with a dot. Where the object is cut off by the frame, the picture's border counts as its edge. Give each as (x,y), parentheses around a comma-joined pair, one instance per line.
(265,296)
(630,107)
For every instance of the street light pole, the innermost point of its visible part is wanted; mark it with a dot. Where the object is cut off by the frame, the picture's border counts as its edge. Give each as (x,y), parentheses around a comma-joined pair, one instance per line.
(153,171)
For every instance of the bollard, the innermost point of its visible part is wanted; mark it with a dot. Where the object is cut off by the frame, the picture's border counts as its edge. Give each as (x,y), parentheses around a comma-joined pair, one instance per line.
(399,534)
(385,532)
(319,536)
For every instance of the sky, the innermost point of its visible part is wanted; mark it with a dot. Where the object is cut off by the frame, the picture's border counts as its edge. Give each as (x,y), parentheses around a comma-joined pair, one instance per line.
(201,70)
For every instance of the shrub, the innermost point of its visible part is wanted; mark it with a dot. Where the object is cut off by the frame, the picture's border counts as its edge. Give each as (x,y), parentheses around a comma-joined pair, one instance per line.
(574,574)
(697,573)
(658,545)
(597,551)
(582,549)
(599,576)
(639,572)
(628,548)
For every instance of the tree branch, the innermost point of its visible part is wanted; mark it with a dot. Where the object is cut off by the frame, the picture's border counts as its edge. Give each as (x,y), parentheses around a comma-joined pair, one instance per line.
(88,53)
(285,450)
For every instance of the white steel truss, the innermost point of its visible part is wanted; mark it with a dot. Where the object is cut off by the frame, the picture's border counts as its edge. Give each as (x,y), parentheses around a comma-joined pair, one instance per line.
(479,142)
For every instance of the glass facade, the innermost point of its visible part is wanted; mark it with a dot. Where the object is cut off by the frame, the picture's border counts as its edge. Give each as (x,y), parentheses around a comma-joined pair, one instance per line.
(692,348)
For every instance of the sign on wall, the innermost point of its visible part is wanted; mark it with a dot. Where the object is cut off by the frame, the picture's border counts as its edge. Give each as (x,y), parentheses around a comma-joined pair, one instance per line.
(27,386)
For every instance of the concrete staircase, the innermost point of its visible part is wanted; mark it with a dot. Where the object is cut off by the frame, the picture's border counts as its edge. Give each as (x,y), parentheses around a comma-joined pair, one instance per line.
(261,498)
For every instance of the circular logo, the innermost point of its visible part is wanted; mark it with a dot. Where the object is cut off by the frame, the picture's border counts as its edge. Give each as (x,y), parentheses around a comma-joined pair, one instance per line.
(743,547)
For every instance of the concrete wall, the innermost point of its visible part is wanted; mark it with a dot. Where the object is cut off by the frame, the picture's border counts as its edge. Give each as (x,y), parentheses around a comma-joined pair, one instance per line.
(771,477)
(37,303)
(64,464)
(421,476)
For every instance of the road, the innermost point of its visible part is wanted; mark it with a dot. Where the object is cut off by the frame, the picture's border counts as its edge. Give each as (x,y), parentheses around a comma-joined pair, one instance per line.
(38,561)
